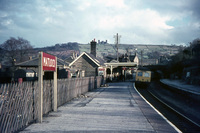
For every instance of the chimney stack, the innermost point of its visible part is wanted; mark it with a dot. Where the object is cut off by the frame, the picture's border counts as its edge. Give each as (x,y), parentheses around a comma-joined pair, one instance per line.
(93,47)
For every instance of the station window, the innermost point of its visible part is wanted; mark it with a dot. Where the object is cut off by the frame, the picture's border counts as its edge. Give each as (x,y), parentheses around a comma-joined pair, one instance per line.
(140,74)
(146,74)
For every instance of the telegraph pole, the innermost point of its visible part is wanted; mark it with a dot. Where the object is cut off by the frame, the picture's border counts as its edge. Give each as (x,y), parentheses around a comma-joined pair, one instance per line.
(117,40)
(141,57)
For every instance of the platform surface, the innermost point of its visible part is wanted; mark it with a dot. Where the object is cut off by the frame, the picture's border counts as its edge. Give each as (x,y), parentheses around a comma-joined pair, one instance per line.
(182,85)
(117,108)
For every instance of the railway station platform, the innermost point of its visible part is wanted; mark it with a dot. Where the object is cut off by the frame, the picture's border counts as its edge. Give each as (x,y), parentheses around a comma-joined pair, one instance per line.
(182,85)
(116,108)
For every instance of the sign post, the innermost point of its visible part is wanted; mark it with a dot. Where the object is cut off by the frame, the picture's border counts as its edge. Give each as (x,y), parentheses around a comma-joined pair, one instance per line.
(47,62)
(40,93)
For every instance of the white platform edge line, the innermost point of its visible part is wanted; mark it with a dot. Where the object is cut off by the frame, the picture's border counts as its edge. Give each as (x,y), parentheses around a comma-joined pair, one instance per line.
(158,111)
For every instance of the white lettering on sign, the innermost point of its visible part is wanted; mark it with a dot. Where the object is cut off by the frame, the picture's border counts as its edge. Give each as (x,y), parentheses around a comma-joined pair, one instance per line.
(49,62)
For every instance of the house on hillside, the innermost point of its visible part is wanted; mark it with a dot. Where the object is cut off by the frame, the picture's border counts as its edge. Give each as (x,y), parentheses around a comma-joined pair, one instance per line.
(129,58)
(88,64)
(146,62)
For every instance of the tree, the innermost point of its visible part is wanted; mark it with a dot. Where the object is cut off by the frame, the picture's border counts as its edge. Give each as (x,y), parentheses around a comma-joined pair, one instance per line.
(185,58)
(195,46)
(15,50)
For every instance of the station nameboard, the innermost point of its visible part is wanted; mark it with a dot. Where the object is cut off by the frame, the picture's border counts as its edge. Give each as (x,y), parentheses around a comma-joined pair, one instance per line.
(48,62)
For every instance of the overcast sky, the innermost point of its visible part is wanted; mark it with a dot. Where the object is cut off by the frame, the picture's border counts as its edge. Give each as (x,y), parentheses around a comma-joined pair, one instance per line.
(47,22)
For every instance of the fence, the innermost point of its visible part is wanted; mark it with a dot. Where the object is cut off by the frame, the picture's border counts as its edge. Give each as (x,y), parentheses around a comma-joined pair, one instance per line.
(18,102)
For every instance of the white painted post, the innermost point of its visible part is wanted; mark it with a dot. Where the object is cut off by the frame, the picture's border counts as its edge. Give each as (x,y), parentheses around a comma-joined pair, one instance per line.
(55,89)
(111,72)
(105,75)
(123,74)
(40,94)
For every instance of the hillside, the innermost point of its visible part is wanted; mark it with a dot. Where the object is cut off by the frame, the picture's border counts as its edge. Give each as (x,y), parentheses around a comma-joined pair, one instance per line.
(148,50)
(62,51)
(66,50)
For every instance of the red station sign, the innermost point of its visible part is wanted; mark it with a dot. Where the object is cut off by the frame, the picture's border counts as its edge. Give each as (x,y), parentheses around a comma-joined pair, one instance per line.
(48,62)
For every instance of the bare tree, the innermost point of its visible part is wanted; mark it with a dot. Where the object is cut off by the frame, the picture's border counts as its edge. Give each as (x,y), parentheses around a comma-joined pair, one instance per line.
(15,50)
(24,48)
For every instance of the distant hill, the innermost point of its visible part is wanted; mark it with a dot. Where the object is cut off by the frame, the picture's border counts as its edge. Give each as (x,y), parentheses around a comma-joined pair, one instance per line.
(147,50)
(62,51)
(65,50)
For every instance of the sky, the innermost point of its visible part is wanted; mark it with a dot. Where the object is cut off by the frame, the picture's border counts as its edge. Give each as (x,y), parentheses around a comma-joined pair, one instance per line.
(48,22)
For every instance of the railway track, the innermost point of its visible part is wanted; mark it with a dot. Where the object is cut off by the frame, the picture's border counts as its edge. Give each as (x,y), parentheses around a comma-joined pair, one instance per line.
(182,122)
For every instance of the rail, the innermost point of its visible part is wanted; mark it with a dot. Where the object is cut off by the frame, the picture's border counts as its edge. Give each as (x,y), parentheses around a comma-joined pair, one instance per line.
(179,119)
(176,111)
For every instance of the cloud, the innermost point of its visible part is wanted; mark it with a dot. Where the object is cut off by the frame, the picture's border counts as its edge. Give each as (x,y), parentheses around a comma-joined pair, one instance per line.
(83,5)
(194,7)
(119,4)
(138,21)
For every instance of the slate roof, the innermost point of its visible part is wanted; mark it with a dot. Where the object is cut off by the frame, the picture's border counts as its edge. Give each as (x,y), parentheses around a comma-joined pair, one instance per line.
(34,63)
(122,58)
(97,60)
(29,70)
(29,63)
